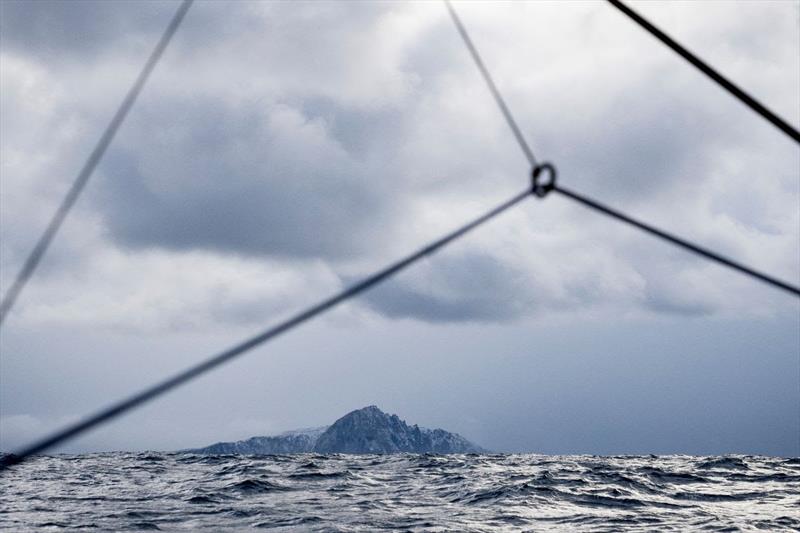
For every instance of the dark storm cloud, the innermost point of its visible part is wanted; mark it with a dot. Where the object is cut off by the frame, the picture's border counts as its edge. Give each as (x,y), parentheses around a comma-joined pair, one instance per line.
(266,162)
(360,131)
(467,287)
(665,302)
(258,180)
(78,29)
(638,141)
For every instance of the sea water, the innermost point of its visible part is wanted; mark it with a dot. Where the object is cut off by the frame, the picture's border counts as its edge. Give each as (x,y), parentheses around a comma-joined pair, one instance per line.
(310,492)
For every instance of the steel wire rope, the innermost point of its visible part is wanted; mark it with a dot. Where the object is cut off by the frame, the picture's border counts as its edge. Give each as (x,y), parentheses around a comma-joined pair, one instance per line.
(700,250)
(192,372)
(33,259)
(498,98)
(709,71)
(541,190)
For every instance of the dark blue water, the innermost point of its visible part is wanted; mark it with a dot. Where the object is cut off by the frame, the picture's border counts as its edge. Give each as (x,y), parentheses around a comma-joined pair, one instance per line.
(155,491)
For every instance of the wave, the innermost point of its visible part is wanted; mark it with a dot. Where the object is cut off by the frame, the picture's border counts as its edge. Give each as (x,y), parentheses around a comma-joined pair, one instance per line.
(314,492)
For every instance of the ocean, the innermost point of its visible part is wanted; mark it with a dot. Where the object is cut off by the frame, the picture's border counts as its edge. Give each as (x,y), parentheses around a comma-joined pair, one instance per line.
(311,492)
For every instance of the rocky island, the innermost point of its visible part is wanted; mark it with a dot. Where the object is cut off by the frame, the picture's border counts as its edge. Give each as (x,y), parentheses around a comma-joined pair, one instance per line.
(367,430)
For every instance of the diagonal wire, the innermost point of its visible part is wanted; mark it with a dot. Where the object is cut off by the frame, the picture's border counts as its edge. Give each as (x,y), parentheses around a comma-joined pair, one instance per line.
(704,252)
(709,71)
(78,185)
(542,190)
(158,389)
(490,83)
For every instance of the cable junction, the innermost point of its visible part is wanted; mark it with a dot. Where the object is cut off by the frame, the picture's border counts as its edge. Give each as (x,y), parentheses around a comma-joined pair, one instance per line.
(542,189)
(709,71)
(91,163)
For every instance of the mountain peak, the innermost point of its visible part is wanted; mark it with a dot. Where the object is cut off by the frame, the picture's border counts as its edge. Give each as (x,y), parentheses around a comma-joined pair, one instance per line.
(368,412)
(370,430)
(365,430)
(370,409)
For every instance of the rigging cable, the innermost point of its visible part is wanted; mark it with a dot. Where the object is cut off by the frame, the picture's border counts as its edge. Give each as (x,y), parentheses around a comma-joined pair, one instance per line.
(158,389)
(709,71)
(91,163)
(541,190)
(523,144)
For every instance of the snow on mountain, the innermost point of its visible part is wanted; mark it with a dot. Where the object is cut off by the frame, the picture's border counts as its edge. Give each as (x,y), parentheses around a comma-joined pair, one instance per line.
(297,441)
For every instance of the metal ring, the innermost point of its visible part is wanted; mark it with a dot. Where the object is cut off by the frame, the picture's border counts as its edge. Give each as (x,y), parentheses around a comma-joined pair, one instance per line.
(541,189)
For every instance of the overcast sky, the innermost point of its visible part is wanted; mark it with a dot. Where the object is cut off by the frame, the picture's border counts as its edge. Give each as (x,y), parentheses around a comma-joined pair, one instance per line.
(282,150)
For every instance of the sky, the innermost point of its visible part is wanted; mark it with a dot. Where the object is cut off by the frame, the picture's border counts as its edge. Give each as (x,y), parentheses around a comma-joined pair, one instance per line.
(281,151)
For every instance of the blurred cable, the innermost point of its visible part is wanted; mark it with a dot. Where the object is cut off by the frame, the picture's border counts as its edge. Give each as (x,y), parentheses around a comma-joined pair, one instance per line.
(78,185)
(498,98)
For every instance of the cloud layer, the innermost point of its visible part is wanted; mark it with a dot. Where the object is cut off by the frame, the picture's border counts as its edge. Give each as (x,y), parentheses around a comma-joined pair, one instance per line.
(344,135)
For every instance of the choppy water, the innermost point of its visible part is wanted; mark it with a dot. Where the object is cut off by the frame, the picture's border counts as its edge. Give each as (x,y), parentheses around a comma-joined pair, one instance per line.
(127,491)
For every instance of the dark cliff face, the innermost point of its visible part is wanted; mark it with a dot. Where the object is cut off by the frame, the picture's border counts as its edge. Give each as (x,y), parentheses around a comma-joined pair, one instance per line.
(367,430)
(370,430)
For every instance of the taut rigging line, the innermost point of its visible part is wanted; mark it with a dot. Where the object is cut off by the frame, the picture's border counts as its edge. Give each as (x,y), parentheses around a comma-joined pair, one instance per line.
(709,71)
(33,259)
(541,190)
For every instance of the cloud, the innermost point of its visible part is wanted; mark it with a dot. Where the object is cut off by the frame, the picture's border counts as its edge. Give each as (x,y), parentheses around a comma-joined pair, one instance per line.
(266,181)
(467,287)
(21,429)
(159,291)
(80,29)
(329,138)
